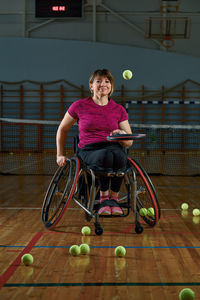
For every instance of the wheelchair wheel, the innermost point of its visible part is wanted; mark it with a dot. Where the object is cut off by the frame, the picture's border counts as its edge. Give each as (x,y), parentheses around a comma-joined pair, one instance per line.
(60,192)
(146,196)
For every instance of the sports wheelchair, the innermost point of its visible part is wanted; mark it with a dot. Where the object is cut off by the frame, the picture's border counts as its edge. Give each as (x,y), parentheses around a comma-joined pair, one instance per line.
(76,181)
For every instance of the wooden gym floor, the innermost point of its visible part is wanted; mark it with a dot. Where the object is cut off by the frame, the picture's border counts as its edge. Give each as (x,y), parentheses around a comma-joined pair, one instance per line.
(159,262)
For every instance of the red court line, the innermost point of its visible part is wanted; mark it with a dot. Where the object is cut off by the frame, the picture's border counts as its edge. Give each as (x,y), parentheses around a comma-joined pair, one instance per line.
(12,268)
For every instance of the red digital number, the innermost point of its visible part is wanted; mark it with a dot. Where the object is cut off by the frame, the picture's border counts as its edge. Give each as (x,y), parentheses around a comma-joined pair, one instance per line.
(58,8)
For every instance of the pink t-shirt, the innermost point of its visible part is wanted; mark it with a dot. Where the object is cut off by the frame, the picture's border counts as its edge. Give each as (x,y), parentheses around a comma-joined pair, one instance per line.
(96,122)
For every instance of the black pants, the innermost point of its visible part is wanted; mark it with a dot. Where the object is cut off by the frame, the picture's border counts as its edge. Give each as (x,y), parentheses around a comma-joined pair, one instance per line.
(105,156)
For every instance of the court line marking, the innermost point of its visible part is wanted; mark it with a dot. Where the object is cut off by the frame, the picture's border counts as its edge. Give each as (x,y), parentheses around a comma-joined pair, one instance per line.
(12,268)
(102,284)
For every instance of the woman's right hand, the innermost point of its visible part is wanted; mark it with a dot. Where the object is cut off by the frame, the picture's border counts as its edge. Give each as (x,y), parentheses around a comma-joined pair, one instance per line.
(61,160)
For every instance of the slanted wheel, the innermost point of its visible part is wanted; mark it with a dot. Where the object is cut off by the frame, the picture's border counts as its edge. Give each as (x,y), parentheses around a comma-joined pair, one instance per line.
(60,192)
(146,195)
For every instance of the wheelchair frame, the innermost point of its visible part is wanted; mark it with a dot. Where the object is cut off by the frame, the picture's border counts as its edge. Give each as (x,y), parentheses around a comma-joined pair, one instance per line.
(65,185)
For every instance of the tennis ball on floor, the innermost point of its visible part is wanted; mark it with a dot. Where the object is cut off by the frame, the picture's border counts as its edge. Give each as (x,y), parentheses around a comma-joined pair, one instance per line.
(120,251)
(150,212)
(27,259)
(84,249)
(186,294)
(74,250)
(127,74)
(184,206)
(86,230)
(196,212)
(143,212)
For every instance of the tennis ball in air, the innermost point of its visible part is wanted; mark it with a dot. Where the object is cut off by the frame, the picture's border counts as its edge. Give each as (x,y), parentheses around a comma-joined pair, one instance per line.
(127,74)
(184,206)
(120,251)
(86,230)
(150,212)
(84,249)
(27,259)
(196,212)
(143,212)
(186,294)
(74,250)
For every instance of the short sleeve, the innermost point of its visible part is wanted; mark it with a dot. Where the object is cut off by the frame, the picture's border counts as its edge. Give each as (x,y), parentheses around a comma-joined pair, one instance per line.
(73,110)
(124,115)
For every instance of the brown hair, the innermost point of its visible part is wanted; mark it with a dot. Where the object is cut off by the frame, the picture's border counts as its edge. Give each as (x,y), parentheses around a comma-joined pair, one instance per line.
(104,73)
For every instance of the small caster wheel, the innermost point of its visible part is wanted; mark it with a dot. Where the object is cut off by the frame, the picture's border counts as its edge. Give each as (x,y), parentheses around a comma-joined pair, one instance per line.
(139,229)
(98,230)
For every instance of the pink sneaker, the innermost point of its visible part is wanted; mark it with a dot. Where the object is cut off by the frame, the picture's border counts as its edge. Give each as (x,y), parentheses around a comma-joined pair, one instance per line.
(105,210)
(116,211)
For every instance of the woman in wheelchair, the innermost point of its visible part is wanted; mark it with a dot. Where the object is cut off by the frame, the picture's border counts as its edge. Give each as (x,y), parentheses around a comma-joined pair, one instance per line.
(99,116)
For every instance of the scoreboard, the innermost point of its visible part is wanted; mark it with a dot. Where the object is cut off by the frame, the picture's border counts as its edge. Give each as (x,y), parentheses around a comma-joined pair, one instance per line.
(58,8)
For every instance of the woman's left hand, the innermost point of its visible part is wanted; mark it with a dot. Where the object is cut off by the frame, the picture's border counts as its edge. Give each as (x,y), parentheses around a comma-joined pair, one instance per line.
(118,131)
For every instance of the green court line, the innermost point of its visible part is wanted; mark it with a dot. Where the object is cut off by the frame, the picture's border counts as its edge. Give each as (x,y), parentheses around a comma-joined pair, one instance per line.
(66,284)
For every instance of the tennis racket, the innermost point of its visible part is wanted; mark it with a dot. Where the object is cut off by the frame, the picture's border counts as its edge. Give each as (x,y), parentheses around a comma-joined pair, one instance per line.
(124,137)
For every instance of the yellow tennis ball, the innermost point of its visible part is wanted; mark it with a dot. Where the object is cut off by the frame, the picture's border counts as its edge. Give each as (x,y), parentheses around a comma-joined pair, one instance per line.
(196,212)
(127,74)
(150,212)
(186,294)
(74,250)
(27,259)
(143,212)
(120,251)
(84,249)
(86,230)
(184,206)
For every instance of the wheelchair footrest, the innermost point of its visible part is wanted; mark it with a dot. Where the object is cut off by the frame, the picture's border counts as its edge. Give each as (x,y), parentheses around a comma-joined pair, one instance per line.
(97,206)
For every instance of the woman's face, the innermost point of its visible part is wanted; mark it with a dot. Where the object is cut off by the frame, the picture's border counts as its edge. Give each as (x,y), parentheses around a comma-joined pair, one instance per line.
(101,86)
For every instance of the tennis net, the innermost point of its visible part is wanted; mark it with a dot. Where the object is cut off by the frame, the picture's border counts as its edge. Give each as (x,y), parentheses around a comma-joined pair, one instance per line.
(29,147)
